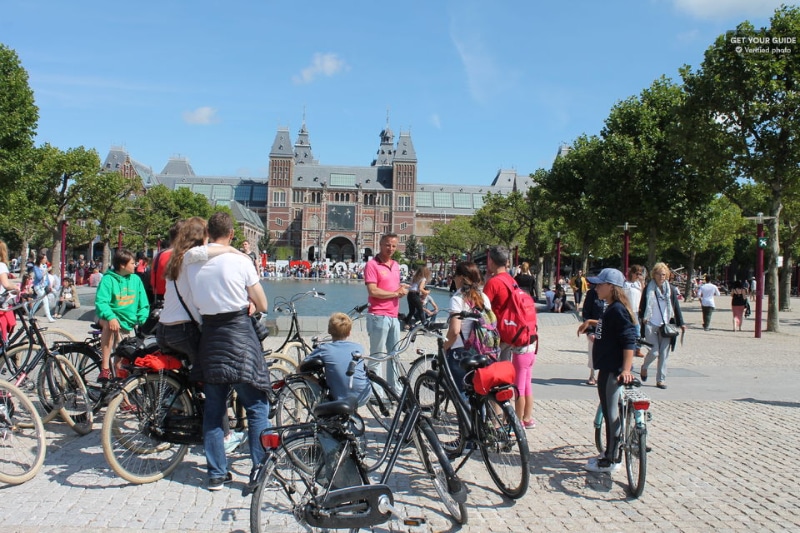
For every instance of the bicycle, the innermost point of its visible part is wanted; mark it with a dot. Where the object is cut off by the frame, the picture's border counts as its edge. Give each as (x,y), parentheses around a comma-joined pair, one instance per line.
(634,409)
(294,347)
(154,418)
(315,472)
(487,421)
(21,345)
(58,387)
(22,437)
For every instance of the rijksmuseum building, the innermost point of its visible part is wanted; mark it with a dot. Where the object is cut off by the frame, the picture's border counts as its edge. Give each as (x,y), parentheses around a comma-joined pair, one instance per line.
(315,211)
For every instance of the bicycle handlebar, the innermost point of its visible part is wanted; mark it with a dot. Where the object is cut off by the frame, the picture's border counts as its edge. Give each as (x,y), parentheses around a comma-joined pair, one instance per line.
(282,305)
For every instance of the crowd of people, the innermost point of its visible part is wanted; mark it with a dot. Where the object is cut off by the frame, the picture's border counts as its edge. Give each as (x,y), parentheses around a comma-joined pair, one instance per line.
(207,290)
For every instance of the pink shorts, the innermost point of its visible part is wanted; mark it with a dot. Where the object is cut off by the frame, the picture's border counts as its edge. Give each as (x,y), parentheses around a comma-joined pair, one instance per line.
(523,365)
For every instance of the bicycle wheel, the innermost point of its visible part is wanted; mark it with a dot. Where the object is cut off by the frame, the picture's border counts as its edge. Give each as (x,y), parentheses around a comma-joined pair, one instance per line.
(87,361)
(377,420)
(504,446)
(635,454)
(450,489)
(22,438)
(600,432)
(284,487)
(55,336)
(421,365)
(296,400)
(439,406)
(30,385)
(62,391)
(294,352)
(133,417)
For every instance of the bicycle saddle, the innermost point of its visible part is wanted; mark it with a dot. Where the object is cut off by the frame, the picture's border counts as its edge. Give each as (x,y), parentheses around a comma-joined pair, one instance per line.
(336,408)
(312,365)
(475,361)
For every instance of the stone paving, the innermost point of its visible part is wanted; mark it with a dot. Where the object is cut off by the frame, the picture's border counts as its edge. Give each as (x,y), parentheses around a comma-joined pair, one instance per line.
(724,439)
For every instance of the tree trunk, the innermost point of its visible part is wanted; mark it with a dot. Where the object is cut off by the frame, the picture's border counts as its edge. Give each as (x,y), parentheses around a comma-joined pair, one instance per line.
(772,270)
(687,290)
(785,301)
(651,249)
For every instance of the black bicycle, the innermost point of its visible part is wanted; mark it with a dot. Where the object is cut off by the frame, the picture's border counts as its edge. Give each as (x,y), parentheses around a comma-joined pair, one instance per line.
(488,421)
(315,473)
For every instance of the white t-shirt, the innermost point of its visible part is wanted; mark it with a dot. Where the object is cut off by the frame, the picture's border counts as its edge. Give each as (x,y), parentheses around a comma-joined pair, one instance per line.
(633,290)
(220,284)
(706,292)
(457,305)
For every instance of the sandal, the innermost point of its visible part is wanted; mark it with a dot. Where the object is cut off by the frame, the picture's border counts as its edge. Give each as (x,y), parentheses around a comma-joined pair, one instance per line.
(591,381)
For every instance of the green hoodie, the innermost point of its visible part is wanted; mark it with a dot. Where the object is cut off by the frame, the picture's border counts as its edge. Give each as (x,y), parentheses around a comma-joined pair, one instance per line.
(123,298)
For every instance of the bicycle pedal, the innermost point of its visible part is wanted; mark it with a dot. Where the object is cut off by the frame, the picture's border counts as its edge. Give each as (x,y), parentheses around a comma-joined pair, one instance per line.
(414,521)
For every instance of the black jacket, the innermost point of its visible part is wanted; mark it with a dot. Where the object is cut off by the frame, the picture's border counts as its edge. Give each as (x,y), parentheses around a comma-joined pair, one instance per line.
(230,352)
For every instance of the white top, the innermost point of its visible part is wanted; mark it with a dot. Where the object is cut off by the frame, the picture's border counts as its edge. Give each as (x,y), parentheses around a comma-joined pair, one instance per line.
(219,285)
(457,305)
(633,290)
(3,270)
(706,292)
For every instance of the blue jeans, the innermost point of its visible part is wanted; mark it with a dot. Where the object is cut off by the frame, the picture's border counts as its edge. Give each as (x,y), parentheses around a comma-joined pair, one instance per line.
(384,334)
(257,407)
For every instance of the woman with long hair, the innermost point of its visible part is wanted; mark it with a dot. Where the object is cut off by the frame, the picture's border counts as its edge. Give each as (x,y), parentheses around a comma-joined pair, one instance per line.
(467,279)
(416,294)
(612,354)
(659,306)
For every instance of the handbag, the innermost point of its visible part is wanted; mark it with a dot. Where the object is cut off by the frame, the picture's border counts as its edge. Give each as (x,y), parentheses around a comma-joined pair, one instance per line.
(667,330)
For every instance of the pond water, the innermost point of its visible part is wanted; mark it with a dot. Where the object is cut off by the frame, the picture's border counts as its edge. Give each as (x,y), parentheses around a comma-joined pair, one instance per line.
(340,295)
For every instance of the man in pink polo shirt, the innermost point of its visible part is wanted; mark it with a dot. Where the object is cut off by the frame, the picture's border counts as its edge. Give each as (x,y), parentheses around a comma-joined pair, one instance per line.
(382,277)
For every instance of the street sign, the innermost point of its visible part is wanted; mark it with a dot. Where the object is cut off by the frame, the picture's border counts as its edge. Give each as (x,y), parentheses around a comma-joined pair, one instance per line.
(762,242)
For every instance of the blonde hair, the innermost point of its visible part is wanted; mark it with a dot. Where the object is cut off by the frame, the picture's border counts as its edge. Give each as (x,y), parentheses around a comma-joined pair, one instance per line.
(618,294)
(3,252)
(339,326)
(659,267)
(526,267)
(192,232)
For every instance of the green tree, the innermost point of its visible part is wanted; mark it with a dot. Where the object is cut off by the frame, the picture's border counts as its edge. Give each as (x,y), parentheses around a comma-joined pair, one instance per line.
(499,218)
(412,249)
(104,200)
(18,120)
(753,99)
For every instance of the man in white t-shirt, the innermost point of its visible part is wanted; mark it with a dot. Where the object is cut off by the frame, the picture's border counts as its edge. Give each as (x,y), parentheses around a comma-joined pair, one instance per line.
(706,293)
(226,290)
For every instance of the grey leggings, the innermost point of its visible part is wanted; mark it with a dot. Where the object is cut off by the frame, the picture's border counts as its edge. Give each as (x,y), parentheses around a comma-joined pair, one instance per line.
(608,389)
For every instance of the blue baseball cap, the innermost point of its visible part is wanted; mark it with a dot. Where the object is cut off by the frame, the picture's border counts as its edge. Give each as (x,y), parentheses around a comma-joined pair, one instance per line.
(609,275)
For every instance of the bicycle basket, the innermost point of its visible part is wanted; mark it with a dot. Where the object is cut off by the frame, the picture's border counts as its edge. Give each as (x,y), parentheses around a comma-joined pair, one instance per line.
(494,375)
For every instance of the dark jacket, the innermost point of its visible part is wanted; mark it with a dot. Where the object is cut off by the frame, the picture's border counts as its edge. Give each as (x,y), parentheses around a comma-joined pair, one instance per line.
(615,333)
(230,352)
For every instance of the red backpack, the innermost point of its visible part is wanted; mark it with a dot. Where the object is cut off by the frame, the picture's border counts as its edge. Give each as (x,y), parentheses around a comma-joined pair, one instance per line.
(517,326)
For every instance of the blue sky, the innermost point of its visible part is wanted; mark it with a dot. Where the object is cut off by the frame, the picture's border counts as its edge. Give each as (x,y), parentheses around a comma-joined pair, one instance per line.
(480,85)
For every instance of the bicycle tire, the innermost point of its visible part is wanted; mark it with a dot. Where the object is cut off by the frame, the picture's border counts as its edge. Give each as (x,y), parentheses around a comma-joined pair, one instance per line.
(285,488)
(504,446)
(280,359)
(29,385)
(600,436)
(380,410)
(51,336)
(294,352)
(22,438)
(128,444)
(635,454)
(439,406)
(421,365)
(450,489)
(296,401)
(62,390)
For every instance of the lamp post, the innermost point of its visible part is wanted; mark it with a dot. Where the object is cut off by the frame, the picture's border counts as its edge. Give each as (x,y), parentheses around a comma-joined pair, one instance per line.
(761,243)
(626,245)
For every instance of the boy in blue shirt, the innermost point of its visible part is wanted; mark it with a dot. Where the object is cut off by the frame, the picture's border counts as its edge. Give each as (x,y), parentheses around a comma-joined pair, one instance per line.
(336,356)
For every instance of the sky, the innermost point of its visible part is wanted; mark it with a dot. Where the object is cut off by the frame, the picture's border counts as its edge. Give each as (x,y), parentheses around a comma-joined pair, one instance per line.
(481,86)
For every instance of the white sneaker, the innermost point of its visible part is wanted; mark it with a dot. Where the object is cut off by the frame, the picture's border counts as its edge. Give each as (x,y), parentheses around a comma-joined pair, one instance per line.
(234,439)
(601,465)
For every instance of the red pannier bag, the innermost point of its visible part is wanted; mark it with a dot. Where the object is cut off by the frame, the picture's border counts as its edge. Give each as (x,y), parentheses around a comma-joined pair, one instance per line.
(494,375)
(158,361)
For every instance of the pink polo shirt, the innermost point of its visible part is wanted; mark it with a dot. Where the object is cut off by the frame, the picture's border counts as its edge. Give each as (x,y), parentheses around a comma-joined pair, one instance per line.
(385,276)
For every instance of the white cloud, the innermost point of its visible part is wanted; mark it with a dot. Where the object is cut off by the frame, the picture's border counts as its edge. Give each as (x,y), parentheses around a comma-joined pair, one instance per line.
(201,116)
(478,64)
(725,9)
(436,120)
(321,65)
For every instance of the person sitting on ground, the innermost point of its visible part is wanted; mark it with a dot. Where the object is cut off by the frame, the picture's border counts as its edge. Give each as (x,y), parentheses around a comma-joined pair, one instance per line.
(95,277)
(68,299)
(549,296)
(121,304)
(337,356)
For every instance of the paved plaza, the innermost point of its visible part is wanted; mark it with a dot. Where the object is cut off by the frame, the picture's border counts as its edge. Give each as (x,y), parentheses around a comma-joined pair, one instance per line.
(724,457)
